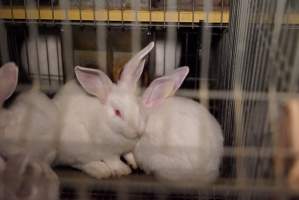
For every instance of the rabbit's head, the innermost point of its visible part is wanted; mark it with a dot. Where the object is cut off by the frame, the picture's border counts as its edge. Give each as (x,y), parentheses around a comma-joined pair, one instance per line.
(120,100)
(8,83)
(163,87)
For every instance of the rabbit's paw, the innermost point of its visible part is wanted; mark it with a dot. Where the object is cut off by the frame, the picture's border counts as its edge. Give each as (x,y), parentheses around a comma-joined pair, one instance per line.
(129,157)
(118,168)
(97,169)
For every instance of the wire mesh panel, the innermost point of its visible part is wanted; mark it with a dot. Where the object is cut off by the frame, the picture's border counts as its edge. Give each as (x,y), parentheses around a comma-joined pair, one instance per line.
(243,59)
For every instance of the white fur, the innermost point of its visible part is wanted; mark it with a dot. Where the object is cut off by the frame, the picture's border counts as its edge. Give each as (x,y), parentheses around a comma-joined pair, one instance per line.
(27,179)
(181,140)
(90,131)
(29,124)
(29,128)
(92,137)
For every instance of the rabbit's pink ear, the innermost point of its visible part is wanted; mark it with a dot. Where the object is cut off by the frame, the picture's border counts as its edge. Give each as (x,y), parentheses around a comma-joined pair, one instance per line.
(164,87)
(179,76)
(94,82)
(8,80)
(159,89)
(133,69)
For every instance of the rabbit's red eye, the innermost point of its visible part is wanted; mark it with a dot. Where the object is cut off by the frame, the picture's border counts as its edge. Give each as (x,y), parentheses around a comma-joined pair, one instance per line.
(117,113)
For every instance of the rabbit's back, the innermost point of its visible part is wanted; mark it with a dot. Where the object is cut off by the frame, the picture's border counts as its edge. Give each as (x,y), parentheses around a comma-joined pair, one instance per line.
(186,136)
(31,126)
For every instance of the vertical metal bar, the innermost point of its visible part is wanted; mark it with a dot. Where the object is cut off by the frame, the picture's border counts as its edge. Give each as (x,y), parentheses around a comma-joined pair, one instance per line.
(101,32)
(193,10)
(179,7)
(94,11)
(122,13)
(186,48)
(38,8)
(293,84)
(150,12)
(102,41)
(197,62)
(67,42)
(164,12)
(27,55)
(48,62)
(170,42)
(136,31)
(80,11)
(205,61)
(25,6)
(58,54)
(4,52)
(164,53)
(108,11)
(52,11)
(222,9)
(11,10)
(34,36)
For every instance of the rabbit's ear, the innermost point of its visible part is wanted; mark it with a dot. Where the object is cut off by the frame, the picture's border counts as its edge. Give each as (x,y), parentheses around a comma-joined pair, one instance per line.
(94,82)
(179,76)
(8,80)
(164,87)
(159,89)
(133,69)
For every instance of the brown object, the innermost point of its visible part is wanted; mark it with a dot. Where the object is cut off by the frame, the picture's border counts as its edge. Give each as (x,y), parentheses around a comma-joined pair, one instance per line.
(119,61)
(288,141)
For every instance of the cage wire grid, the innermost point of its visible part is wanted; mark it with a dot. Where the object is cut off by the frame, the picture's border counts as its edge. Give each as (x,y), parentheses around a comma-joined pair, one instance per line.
(244,59)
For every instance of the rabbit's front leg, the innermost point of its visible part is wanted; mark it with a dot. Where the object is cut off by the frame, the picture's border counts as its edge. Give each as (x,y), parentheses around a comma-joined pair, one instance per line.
(118,168)
(129,157)
(97,169)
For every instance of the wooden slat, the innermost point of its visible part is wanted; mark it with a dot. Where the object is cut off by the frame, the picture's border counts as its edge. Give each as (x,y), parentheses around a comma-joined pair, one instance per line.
(87,14)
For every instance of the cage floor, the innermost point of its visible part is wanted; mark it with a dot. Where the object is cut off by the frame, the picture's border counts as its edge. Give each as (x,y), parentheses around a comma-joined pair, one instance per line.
(77,185)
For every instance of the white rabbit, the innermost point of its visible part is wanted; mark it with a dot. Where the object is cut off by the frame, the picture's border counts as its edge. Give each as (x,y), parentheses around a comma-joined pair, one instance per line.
(25,179)
(29,125)
(181,140)
(99,127)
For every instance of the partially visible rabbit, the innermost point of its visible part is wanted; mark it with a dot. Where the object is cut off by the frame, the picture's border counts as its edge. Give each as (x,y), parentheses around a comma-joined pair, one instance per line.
(101,123)
(29,125)
(25,179)
(181,140)
(42,58)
